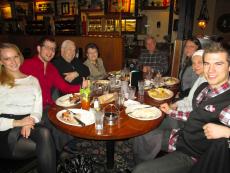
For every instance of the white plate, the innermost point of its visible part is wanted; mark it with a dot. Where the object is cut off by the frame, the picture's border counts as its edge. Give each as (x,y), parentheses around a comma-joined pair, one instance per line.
(132,108)
(168,82)
(85,116)
(64,101)
(146,113)
(129,102)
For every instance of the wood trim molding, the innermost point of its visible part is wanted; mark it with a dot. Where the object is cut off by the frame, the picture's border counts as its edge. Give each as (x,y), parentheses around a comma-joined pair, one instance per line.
(177,51)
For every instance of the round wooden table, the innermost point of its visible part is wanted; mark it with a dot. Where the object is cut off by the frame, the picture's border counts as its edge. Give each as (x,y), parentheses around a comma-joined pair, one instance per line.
(126,127)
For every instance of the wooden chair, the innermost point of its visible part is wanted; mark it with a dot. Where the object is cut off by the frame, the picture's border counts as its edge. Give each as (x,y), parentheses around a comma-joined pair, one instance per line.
(177,51)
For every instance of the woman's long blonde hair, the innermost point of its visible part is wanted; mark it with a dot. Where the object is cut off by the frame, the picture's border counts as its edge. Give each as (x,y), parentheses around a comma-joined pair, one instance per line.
(6,78)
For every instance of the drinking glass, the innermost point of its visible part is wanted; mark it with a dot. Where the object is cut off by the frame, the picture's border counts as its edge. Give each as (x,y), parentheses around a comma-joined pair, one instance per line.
(141,91)
(132,91)
(99,120)
(120,101)
(85,101)
(112,80)
(141,87)
(124,87)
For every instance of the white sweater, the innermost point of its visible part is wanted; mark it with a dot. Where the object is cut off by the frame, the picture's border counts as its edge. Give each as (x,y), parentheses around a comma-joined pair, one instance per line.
(24,98)
(185,104)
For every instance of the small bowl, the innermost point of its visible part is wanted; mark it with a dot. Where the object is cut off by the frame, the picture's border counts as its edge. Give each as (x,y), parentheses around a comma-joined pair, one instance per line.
(111,118)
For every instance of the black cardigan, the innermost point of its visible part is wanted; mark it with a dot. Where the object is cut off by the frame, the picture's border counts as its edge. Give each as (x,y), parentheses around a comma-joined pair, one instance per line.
(192,140)
(75,65)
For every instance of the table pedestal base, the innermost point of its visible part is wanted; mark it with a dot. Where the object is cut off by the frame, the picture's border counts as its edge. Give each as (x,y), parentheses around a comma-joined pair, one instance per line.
(110,154)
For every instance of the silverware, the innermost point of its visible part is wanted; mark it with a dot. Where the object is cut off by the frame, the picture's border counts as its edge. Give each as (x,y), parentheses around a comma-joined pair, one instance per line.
(77,119)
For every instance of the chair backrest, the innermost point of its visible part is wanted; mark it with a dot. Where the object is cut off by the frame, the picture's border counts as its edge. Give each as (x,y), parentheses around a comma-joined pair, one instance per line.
(177,53)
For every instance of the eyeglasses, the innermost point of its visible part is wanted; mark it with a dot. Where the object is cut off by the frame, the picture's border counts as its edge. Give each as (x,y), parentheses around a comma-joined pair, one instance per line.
(53,49)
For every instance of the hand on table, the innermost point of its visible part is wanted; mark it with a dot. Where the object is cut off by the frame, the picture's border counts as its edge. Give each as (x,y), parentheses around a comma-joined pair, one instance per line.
(165,108)
(214,131)
(173,106)
(70,76)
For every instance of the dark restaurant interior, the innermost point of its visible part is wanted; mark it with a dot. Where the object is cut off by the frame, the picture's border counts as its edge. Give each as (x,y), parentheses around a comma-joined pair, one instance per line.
(119,28)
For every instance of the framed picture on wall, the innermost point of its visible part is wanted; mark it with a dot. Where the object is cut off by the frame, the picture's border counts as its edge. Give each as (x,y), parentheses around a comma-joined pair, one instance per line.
(91,5)
(125,6)
(65,8)
(6,12)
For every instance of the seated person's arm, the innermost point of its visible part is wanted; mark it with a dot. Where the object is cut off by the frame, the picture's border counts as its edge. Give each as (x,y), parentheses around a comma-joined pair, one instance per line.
(63,86)
(70,76)
(82,69)
(178,115)
(104,74)
(215,131)
(36,112)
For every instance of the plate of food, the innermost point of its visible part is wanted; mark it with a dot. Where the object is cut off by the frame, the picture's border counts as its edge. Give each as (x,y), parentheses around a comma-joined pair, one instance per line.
(68,100)
(160,94)
(148,113)
(170,81)
(132,108)
(76,117)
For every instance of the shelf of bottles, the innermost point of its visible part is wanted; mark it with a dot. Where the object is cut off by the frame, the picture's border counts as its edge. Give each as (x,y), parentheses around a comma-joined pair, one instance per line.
(110,26)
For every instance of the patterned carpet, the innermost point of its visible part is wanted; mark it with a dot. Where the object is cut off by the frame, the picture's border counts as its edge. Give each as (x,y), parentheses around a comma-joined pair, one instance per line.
(123,158)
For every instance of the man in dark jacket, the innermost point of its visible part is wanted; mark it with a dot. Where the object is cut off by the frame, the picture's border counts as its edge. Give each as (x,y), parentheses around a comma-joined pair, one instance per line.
(69,66)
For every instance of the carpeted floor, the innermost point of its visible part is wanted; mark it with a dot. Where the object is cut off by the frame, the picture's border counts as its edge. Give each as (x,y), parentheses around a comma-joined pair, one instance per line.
(123,158)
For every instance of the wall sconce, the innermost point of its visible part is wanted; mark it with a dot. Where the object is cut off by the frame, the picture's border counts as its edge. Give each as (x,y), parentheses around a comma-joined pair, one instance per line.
(203,17)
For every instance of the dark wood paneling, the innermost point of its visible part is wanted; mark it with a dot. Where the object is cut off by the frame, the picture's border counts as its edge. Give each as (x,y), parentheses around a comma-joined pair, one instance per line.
(111,48)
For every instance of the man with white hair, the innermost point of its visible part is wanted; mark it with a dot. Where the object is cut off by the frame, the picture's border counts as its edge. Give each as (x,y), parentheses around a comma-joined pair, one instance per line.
(70,67)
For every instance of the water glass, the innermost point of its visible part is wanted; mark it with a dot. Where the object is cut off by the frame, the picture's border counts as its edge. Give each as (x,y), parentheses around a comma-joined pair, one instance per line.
(120,100)
(132,91)
(99,121)
(106,89)
(124,87)
(141,85)
(112,81)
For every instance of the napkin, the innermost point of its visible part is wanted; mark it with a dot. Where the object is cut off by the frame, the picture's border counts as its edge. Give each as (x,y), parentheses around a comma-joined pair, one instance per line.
(107,98)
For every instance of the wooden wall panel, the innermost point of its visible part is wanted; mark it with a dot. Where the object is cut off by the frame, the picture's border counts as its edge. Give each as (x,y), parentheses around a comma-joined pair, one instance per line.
(111,49)
(3,38)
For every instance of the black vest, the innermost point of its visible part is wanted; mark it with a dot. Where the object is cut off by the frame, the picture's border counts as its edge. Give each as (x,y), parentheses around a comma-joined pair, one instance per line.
(192,140)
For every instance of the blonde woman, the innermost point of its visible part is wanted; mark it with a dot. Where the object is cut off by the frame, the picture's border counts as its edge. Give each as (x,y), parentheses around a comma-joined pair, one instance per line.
(21,135)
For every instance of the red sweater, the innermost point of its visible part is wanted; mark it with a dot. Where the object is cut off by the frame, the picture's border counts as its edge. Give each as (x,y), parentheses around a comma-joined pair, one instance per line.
(47,79)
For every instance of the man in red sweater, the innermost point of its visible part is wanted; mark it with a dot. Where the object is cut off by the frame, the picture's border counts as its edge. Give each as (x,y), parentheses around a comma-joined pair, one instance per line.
(40,67)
